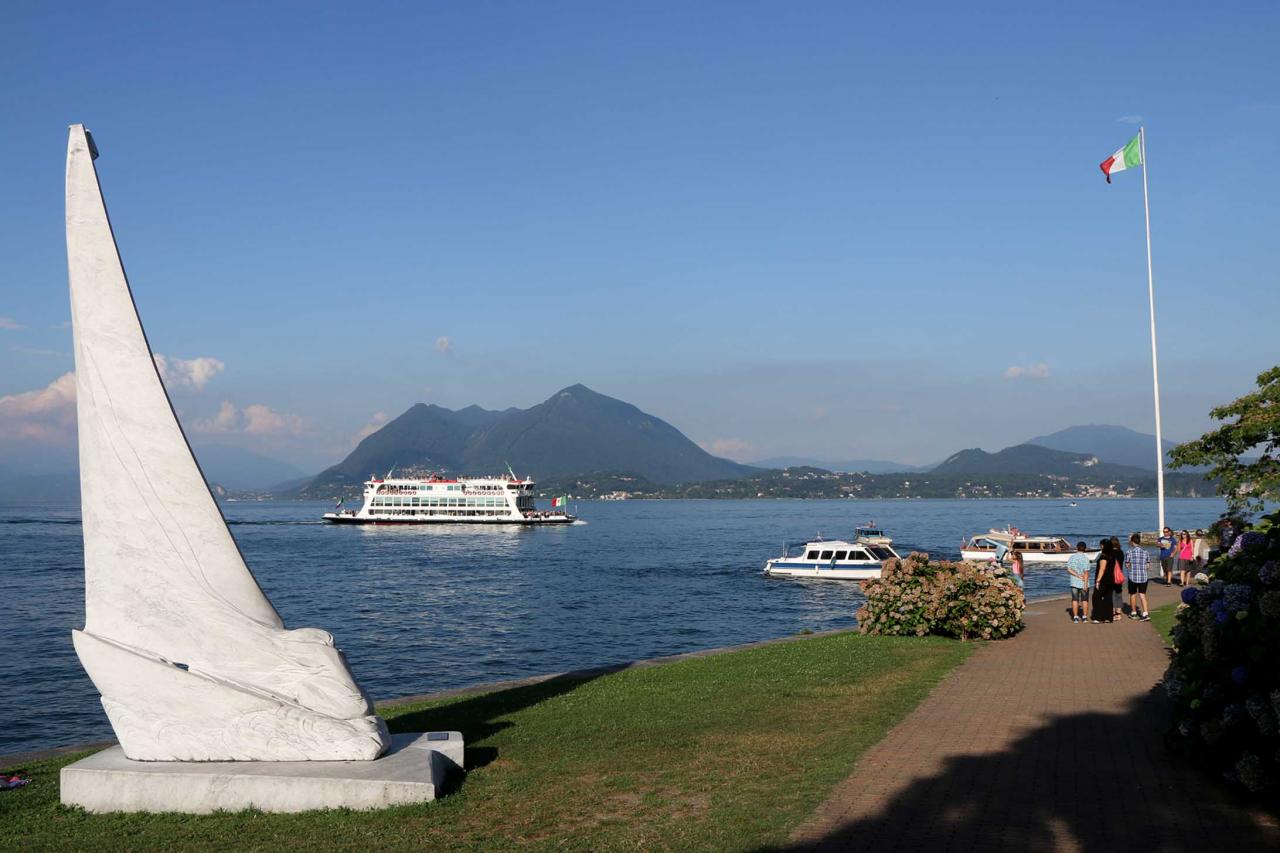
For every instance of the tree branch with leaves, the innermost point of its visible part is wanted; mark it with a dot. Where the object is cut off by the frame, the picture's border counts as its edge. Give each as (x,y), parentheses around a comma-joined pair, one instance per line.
(1254,427)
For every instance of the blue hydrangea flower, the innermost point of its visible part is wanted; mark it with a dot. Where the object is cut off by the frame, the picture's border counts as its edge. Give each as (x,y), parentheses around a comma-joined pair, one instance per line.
(1245,540)
(1237,596)
(1240,674)
(1269,572)
(1189,595)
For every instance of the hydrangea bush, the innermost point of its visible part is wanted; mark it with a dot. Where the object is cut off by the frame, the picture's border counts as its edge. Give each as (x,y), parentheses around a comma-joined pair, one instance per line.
(1224,678)
(917,596)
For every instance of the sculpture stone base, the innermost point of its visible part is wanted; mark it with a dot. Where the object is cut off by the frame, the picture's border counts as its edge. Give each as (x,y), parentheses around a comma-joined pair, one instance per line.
(412,771)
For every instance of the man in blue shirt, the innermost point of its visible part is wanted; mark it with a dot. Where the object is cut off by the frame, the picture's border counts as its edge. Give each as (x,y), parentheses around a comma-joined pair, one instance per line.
(1078,566)
(1167,542)
(1136,564)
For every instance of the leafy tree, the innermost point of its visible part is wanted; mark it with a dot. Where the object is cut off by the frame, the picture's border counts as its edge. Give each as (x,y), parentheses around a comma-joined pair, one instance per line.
(1256,426)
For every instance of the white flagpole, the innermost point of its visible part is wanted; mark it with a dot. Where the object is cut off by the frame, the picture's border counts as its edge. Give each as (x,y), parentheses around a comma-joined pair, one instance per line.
(1155,364)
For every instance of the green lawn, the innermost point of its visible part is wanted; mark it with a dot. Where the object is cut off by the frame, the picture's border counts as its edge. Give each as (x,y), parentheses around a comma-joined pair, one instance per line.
(1163,618)
(727,752)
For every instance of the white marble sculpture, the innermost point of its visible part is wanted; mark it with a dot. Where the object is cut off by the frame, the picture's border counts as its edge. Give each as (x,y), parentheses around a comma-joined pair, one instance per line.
(192,661)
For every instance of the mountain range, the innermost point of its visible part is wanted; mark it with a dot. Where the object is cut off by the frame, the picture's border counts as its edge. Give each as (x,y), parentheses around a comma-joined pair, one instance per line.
(1116,444)
(575,431)
(869,466)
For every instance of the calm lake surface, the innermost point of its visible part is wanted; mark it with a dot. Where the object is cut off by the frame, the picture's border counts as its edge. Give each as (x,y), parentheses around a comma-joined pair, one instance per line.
(419,609)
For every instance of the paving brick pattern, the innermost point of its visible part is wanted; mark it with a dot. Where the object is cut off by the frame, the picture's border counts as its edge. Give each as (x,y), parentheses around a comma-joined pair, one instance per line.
(1051,740)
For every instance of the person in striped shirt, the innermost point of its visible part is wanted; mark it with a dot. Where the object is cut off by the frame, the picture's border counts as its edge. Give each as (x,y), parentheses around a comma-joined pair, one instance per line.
(1137,562)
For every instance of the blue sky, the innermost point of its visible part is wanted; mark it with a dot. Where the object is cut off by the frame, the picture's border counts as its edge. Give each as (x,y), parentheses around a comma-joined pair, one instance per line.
(816,229)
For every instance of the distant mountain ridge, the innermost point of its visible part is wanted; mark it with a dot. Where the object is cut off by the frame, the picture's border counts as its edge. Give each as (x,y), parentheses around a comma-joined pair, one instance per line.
(1030,459)
(575,431)
(1115,444)
(869,466)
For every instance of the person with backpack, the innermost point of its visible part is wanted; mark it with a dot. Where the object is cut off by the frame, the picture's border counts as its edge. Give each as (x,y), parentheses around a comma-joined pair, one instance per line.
(1117,576)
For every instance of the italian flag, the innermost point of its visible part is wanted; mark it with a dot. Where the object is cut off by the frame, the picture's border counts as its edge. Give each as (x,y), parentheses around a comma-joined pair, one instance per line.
(1126,158)
(559,502)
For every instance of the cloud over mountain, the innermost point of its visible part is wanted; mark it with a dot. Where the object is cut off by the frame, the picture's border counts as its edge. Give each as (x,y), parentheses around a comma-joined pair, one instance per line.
(46,414)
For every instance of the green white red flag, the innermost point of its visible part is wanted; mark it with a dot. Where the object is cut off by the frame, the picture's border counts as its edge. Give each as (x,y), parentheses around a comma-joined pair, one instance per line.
(556,503)
(1127,157)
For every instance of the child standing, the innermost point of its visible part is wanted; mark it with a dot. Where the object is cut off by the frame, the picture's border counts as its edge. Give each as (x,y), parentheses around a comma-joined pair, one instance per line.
(1078,567)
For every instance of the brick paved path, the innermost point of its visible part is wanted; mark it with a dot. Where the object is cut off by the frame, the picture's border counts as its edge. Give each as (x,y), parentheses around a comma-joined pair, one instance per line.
(1032,744)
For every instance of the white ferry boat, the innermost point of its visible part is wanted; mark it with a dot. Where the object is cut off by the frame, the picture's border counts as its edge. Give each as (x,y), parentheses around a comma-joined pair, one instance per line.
(437,500)
(1000,544)
(833,559)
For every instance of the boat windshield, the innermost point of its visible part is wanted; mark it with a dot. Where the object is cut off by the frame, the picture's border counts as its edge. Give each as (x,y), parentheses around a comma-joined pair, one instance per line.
(880,553)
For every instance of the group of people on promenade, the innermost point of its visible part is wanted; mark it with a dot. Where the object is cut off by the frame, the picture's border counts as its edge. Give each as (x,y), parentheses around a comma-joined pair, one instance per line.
(1098,584)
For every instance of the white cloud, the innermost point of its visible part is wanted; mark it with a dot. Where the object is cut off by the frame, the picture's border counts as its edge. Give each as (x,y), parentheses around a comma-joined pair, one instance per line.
(193,373)
(1130,119)
(255,419)
(444,346)
(263,420)
(1031,371)
(729,447)
(377,422)
(9,324)
(47,414)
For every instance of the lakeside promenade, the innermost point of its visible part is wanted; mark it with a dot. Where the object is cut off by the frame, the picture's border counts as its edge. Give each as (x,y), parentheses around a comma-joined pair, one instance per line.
(1052,739)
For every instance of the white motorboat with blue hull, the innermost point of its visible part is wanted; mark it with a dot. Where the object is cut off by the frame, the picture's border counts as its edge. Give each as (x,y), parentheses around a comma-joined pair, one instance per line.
(831,560)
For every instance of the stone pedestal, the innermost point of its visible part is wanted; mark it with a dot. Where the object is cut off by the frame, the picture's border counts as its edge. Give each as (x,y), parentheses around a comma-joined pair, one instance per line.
(412,771)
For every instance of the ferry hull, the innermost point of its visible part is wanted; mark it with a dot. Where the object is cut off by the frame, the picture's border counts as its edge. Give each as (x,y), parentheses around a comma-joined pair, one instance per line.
(1027,556)
(820,572)
(334,518)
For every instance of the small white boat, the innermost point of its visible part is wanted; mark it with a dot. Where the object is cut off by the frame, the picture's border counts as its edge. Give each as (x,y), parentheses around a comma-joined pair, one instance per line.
(869,534)
(1000,544)
(833,559)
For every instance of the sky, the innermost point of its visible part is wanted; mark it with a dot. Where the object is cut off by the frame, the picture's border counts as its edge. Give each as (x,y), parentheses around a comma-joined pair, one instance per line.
(831,230)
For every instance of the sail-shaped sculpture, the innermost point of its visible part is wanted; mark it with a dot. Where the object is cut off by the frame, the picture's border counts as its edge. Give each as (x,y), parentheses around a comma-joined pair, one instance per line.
(192,661)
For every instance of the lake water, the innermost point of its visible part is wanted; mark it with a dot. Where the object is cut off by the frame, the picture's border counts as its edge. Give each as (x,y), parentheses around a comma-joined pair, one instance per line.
(419,609)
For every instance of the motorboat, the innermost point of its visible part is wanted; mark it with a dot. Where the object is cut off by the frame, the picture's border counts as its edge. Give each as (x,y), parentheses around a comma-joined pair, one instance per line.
(833,559)
(1000,544)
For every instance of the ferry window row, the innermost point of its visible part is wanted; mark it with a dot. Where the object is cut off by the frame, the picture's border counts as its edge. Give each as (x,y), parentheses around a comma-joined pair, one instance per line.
(454,513)
(855,554)
(472,502)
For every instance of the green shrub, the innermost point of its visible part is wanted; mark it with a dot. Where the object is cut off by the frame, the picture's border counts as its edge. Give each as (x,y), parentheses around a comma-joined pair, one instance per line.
(917,596)
(1224,679)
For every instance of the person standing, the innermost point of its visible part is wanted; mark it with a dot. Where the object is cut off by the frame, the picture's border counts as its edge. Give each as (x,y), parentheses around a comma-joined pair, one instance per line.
(1137,565)
(1226,535)
(1199,552)
(1168,543)
(1103,610)
(1117,577)
(1186,558)
(1078,570)
(1019,571)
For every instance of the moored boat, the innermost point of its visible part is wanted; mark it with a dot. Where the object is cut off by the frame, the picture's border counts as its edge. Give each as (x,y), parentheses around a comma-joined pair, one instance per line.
(997,545)
(834,559)
(439,500)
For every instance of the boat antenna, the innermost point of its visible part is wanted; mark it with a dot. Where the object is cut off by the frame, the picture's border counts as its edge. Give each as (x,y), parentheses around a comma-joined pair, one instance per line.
(511,472)
(389,473)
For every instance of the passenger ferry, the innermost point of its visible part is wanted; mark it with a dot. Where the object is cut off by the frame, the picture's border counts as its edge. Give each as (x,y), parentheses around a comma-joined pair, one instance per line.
(437,500)
(835,559)
(999,544)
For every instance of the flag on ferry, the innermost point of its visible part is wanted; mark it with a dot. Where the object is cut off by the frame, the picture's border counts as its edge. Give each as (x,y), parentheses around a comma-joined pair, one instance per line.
(1127,157)
(556,503)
